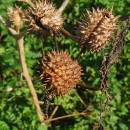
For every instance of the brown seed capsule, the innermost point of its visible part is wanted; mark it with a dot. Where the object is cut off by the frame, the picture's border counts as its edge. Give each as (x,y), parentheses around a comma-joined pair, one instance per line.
(15,17)
(60,72)
(96,29)
(44,18)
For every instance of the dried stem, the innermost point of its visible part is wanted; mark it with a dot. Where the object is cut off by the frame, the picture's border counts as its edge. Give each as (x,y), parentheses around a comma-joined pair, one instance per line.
(66,33)
(81,100)
(20,42)
(81,53)
(63,6)
(66,116)
(12,31)
(54,111)
(87,87)
(112,58)
(28,79)
(3,21)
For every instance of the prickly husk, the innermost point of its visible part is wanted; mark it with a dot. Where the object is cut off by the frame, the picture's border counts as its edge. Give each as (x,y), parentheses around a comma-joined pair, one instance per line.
(96,29)
(60,72)
(44,18)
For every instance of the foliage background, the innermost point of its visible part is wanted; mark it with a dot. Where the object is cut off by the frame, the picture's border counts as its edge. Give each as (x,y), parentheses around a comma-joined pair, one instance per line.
(16,109)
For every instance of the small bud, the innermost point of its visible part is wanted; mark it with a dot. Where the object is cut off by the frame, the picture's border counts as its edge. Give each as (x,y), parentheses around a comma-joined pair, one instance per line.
(15,17)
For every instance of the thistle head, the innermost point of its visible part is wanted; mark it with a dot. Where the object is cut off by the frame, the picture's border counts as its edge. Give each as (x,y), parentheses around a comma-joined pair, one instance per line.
(60,72)
(96,29)
(44,17)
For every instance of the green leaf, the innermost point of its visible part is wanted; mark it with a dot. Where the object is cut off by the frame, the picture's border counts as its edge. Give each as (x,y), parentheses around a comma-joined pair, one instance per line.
(4,126)
(42,127)
(2,50)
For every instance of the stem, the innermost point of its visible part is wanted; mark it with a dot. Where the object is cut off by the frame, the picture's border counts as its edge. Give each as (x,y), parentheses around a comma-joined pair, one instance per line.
(66,33)
(12,31)
(54,111)
(81,53)
(28,79)
(87,87)
(81,100)
(66,116)
(19,38)
(63,6)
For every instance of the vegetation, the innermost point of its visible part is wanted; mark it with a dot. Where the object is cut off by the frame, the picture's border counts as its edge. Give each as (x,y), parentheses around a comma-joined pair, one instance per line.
(87,106)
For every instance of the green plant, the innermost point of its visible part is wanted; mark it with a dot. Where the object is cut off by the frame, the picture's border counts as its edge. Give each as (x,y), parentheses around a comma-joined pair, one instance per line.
(105,105)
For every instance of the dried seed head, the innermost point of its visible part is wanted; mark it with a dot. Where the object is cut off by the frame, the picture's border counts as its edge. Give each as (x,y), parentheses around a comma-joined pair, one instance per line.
(44,17)
(15,17)
(96,29)
(60,72)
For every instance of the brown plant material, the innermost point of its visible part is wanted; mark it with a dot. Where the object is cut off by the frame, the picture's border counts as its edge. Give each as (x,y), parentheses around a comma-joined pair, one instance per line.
(96,29)
(63,6)
(66,116)
(44,18)
(20,42)
(114,54)
(112,58)
(60,73)
(15,17)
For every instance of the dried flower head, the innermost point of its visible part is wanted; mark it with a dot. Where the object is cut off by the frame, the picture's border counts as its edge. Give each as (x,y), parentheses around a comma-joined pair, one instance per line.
(15,17)
(96,29)
(60,73)
(44,17)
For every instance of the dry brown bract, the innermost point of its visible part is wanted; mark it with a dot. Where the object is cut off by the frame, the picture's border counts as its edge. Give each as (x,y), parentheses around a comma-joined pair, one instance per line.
(60,72)
(44,17)
(15,17)
(96,29)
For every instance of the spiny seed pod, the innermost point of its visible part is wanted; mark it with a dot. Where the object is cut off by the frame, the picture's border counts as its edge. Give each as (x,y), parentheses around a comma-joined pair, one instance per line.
(96,29)
(44,17)
(15,17)
(60,73)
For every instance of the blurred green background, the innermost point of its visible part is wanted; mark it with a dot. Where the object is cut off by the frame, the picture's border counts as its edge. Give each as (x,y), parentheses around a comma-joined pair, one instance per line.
(16,109)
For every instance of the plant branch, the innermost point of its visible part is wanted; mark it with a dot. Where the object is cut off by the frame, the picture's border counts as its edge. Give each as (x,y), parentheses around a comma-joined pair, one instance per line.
(87,87)
(54,111)
(12,31)
(63,6)
(28,79)
(81,53)
(2,20)
(66,33)
(21,34)
(66,116)
(19,38)
(81,100)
